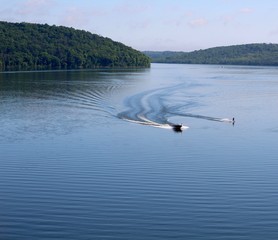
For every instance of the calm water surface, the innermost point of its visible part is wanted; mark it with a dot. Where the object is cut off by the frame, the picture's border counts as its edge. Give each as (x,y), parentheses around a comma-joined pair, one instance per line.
(91,154)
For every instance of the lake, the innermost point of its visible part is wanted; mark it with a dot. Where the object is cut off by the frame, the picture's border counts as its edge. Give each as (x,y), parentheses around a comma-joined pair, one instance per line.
(92,154)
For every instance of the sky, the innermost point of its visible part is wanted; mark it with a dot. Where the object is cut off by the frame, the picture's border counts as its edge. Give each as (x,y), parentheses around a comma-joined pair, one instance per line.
(157,25)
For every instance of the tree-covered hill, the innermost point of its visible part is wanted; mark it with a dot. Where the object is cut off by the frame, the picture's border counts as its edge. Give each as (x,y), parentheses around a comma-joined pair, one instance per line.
(248,54)
(26,46)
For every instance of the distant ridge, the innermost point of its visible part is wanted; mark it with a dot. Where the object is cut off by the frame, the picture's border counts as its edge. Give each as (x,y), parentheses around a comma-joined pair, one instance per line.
(248,54)
(26,46)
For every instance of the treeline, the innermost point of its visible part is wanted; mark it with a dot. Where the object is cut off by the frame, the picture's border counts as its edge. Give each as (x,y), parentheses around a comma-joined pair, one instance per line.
(25,46)
(248,54)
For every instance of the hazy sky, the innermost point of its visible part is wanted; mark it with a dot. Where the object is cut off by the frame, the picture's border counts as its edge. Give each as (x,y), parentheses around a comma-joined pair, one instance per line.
(178,25)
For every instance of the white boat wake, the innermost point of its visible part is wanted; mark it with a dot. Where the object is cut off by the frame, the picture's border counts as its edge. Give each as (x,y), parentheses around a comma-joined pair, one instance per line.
(155,107)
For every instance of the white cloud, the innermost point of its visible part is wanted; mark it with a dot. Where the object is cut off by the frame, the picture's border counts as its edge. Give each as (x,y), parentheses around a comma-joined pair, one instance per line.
(74,17)
(142,25)
(227,19)
(234,17)
(34,7)
(128,7)
(198,22)
(274,32)
(246,10)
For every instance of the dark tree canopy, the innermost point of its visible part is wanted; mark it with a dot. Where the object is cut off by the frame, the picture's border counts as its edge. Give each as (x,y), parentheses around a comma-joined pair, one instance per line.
(26,46)
(248,54)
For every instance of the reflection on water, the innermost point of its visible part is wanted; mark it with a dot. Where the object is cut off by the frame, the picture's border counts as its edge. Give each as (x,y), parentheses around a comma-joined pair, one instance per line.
(58,102)
(72,168)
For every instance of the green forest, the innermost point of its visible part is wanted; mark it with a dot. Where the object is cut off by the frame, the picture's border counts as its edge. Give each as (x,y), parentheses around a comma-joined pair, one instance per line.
(26,46)
(247,54)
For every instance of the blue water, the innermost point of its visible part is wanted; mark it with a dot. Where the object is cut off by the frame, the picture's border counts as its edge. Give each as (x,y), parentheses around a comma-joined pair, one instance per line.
(92,155)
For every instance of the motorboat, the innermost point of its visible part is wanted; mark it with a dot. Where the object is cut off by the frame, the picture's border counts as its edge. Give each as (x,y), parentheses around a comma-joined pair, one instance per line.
(177,127)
